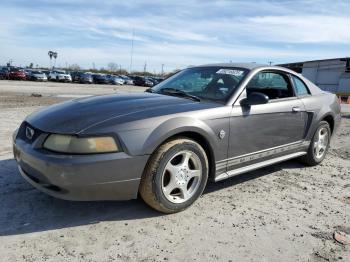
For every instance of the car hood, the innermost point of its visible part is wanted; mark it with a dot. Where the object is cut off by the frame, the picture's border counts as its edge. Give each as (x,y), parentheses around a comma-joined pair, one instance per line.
(77,115)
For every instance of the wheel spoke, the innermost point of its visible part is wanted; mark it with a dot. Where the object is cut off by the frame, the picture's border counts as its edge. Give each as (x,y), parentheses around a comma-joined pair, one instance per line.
(185,159)
(194,173)
(321,134)
(170,186)
(172,169)
(316,147)
(184,192)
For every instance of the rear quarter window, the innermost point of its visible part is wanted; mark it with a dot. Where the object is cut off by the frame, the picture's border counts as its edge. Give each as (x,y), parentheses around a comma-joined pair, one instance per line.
(300,88)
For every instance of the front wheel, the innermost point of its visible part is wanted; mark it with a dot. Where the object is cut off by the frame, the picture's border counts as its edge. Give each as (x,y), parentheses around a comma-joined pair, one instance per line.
(319,145)
(175,176)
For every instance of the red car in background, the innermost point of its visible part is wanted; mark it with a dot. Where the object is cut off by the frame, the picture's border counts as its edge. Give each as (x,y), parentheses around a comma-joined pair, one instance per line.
(17,74)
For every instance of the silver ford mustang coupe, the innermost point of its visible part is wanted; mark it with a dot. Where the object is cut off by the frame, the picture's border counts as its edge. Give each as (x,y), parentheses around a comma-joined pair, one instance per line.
(207,122)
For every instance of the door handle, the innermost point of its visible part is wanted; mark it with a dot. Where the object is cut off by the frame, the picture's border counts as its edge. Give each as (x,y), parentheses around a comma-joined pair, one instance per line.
(296,109)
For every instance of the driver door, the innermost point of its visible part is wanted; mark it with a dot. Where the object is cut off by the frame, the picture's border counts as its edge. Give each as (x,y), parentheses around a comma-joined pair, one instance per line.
(264,131)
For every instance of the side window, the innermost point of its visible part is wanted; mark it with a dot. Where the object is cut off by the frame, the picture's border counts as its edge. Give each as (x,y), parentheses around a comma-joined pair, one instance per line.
(273,84)
(300,87)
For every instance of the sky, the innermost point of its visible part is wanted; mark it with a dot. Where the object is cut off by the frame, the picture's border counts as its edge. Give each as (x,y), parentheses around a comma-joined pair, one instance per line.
(175,33)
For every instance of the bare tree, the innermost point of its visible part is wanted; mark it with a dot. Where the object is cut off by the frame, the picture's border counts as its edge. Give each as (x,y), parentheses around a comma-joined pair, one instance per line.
(113,66)
(75,67)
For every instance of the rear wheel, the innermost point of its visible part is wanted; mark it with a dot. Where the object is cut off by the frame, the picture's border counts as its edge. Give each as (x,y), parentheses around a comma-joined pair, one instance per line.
(175,176)
(319,145)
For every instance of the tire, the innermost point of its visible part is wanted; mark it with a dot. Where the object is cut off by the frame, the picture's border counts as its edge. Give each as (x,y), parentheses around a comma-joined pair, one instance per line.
(168,184)
(312,158)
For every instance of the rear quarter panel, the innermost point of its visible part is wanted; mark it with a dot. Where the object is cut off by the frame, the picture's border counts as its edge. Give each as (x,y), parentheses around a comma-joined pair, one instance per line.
(320,106)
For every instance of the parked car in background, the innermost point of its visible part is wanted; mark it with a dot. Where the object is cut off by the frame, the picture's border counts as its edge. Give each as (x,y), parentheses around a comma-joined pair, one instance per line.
(143,81)
(17,74)
(115,80)
(4,73)
(60,76)
(153,80)
(127,80)
(46,72)
(35,75)
(27,72)
(100,79)
(86,78)
(159,79)
(76,75)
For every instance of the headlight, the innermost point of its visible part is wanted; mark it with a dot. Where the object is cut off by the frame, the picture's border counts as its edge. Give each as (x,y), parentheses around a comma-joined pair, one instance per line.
(81,145)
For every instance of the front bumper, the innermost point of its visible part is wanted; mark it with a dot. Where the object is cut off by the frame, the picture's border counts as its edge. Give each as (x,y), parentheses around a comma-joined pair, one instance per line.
(40,79)
(114,176)
(64,79)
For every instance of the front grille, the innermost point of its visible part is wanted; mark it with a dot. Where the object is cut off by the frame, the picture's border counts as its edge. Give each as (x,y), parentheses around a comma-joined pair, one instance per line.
(22,133)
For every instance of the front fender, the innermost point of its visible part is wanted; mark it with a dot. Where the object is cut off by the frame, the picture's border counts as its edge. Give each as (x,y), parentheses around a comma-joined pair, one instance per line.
(179,125)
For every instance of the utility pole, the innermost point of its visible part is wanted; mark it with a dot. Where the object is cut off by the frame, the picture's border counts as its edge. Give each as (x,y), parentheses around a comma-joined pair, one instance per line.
(162,69)
(270,62)
(132,49)
(144,68)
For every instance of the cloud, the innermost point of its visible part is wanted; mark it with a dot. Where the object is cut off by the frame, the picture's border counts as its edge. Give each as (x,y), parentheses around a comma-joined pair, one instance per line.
(176,33)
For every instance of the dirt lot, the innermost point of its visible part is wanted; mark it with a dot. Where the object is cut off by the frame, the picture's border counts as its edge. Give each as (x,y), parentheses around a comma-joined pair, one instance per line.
(286,212)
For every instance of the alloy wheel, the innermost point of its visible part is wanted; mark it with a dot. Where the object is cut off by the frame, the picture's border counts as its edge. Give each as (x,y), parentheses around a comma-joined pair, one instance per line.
(321,143)
(181,176)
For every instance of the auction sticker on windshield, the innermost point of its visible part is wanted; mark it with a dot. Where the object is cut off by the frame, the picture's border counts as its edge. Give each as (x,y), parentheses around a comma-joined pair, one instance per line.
(233,72)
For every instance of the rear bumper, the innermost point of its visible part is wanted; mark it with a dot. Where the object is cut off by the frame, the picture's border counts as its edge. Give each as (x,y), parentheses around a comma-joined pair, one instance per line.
(85,81)
(113,176)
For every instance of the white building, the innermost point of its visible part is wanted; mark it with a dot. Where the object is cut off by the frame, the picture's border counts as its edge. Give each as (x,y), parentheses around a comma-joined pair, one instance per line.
(331,75)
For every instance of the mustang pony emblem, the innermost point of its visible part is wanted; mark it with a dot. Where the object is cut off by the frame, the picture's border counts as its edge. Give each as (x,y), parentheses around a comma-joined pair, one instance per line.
(29,132)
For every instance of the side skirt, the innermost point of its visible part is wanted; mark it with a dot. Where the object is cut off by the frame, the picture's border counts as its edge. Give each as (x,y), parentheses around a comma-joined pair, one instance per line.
(244,169)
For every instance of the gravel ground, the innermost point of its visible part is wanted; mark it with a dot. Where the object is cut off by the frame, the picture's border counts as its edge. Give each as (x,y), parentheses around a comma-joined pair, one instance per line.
(286,212)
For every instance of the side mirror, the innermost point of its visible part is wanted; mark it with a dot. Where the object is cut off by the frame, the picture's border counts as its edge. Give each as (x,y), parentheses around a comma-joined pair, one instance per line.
(255,98)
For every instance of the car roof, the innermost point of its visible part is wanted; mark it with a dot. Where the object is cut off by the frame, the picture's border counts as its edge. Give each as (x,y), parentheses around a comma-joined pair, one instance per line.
(249,66)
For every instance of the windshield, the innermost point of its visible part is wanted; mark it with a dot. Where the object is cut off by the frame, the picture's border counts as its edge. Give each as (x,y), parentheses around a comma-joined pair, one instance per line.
(211,83)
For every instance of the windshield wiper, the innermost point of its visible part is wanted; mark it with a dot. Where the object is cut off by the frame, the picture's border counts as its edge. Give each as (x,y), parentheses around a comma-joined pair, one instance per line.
(177,92)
